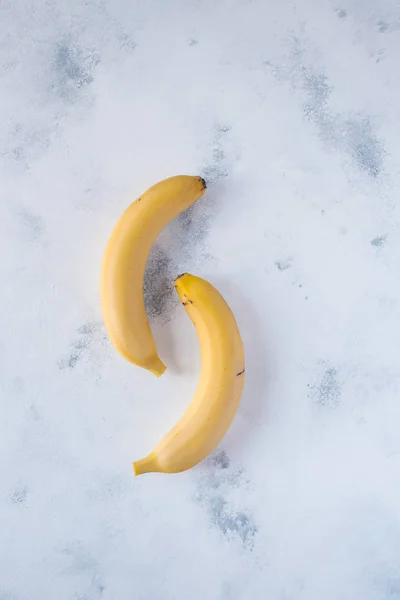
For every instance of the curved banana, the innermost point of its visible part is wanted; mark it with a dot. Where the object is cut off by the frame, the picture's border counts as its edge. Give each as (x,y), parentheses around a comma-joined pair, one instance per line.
(220,387)
(124,265)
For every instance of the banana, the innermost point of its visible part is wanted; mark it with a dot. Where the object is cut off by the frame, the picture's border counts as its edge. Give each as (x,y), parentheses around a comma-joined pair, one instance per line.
(124,264)
(217,397)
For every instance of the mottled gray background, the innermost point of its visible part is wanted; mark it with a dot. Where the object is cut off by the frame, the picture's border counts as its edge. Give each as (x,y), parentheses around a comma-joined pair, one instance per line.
(290,110)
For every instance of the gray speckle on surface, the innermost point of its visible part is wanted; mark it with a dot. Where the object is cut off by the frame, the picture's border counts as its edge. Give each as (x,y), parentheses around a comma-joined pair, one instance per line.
(193,42)
(34,225)
(24,141)
(194,223)
(221,459)
(219,165)
(215,170)
(127,42)
(213,494)
(341,13)
(318,91)
(352,133)
(283,265)
(15,152)
(327,391)
(87,328)
(81,344)
(74,68)
(19,495)
(231,523)
(92,336)
(160,297)
(382,26)
(379,241)
(360,140)
(70,362)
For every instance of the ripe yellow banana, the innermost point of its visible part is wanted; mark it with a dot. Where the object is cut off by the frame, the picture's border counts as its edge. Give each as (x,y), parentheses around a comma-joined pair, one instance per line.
(124,265)
(220,387)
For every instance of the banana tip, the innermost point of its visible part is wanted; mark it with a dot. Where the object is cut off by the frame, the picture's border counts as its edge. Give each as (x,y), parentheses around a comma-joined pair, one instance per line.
(203,181)
(157,368)
(145,465)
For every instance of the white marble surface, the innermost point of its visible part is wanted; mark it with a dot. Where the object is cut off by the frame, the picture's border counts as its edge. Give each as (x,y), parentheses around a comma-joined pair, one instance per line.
(291,111)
